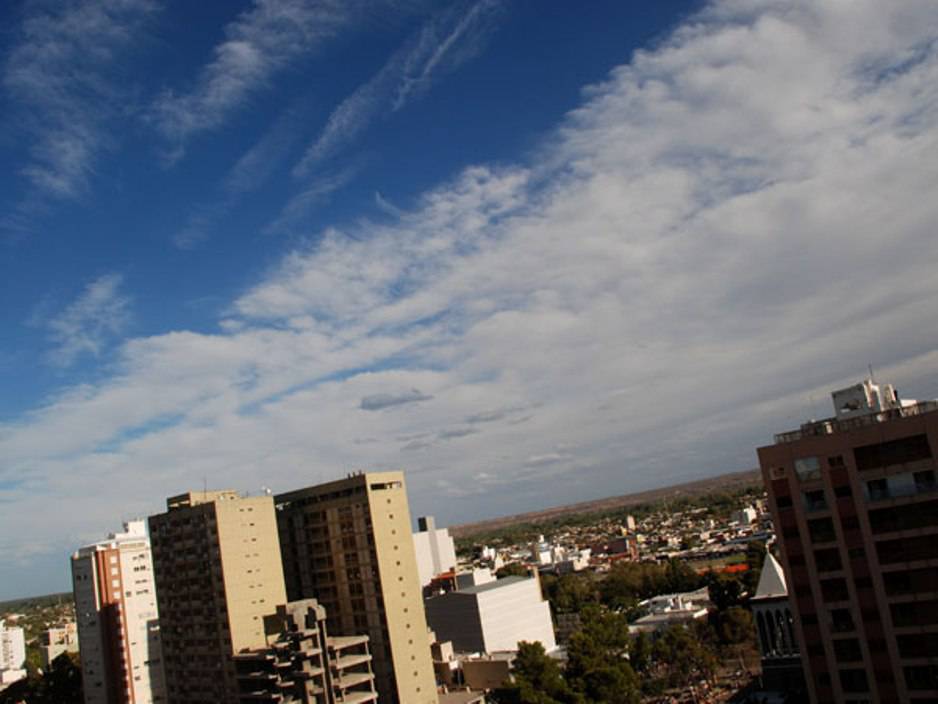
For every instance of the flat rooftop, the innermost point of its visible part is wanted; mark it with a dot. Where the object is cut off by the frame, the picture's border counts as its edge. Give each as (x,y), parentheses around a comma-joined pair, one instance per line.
(495,584)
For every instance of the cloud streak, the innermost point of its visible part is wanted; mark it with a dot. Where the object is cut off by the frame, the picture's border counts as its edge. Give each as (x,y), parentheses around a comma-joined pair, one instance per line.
(444,43)
(260,43)
(88,323)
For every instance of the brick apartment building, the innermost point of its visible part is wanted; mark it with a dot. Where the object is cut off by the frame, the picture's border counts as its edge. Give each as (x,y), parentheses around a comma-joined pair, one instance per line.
(855,503)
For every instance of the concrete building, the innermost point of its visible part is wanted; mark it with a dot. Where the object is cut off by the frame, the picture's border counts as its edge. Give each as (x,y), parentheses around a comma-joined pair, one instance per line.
(12,654)
(781,656)
(117,619)
(348,544)
(493,616)
(855,506)
(216,560)
(303,665)
(435,550)
(57,640)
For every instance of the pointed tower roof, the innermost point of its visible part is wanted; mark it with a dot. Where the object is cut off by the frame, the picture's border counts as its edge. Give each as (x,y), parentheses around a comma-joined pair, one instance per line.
(772,579)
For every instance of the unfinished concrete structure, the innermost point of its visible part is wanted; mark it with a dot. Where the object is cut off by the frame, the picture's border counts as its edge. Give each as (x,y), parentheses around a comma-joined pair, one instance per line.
(303,665)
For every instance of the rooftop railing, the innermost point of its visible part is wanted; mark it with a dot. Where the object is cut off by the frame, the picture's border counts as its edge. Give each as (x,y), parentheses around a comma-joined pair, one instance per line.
(829,426)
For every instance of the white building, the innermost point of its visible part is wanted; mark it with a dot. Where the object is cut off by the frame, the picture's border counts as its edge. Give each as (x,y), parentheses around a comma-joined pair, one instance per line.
(12,654)
(435,550)
(668,609)
(115,607)
(493,616)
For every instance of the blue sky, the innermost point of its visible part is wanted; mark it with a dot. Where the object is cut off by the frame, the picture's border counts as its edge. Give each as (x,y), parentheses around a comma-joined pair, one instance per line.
(531,253)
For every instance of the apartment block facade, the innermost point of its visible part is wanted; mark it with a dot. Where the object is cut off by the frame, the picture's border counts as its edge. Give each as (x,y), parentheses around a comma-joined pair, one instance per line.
(216,560)
(117,619)
(348,544)
(855,503)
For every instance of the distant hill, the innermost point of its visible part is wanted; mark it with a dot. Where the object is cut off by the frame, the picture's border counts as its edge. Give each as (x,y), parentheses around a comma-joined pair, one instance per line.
(31,602)
(723,482)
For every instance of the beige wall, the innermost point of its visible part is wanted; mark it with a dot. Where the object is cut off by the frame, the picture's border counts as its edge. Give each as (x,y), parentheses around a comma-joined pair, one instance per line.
(218,573)
(348,544)
(253,574)
(403,598)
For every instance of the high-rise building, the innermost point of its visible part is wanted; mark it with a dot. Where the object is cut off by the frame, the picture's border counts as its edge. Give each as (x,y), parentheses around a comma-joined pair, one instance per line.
(116,613)
(855,502)
(216,559)
(348,544)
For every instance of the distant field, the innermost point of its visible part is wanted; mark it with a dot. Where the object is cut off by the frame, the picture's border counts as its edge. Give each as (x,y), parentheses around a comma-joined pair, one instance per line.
(725,482)
(28,602)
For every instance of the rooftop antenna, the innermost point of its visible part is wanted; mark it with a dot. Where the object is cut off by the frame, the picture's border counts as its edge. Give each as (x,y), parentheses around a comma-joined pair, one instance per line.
(872,379)
(204,488)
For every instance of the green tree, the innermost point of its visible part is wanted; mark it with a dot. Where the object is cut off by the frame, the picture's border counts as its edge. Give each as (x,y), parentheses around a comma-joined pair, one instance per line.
(755,557)
(512,569)
(597,658)
(570,593)
(640,654)
(685,657)
(537,679)
(726,591)
(735,626)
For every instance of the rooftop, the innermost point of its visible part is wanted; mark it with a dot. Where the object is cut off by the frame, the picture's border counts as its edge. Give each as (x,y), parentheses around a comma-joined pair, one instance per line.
(829,426)
(495,584)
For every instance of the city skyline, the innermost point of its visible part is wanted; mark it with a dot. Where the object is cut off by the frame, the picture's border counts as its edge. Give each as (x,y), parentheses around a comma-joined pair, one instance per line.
(528,257)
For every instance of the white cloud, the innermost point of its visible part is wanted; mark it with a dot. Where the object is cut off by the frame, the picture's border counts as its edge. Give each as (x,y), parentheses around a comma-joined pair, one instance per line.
(733,223)
(258,44)
(63,72)
(93,319)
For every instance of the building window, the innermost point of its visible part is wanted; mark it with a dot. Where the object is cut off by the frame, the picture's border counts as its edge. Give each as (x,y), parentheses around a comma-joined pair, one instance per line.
(841,620)
(848,650)
(827,560)
(834,590)
(821,530)
(924,480)
(808,468)
(854,681)
(814,500)
(910,449)
(921,677)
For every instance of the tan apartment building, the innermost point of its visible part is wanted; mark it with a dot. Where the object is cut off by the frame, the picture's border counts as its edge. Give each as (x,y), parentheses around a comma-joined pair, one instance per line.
(216,560)
(116,613)
(348,544)
(855,504)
